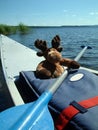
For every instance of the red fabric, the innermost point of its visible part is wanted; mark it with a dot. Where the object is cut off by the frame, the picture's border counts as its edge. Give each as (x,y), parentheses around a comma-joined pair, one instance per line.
(69,112)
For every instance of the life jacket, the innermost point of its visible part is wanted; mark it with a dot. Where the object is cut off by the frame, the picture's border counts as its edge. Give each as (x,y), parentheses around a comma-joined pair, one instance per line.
(74,105)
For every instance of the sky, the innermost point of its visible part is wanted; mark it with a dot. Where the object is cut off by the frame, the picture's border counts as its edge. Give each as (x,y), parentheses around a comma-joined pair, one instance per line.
(49,12)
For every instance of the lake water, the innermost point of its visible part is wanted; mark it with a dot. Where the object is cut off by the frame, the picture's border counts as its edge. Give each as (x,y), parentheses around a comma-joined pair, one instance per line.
(71,40)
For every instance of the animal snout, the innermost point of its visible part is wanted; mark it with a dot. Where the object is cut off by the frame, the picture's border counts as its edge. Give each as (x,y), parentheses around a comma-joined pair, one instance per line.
(51,53)
(53,56)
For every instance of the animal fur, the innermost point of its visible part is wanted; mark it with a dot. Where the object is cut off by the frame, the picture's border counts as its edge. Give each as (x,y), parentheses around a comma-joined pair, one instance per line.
(53,65)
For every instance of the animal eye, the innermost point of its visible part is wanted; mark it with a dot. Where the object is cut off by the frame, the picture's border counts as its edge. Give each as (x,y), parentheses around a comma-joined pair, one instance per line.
(49,50)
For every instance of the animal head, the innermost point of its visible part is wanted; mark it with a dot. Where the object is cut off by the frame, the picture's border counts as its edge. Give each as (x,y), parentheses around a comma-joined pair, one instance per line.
(52,54)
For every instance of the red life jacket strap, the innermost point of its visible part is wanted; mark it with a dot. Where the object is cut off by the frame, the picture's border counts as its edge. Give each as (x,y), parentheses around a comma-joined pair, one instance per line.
(68,113)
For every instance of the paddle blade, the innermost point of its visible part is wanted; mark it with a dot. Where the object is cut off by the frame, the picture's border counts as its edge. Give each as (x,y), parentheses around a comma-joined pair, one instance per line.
(44,122)
(9,117)
(88,47)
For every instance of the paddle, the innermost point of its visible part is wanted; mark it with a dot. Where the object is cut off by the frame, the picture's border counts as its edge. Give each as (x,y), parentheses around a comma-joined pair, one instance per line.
(34,115)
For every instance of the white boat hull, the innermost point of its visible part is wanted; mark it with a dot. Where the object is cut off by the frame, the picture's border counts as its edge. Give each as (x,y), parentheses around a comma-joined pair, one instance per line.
(15,57)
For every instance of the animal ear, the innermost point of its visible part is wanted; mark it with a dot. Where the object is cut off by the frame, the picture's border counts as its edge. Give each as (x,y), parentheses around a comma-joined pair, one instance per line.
(59,49)
(40,44)
(40,54)
(56,43)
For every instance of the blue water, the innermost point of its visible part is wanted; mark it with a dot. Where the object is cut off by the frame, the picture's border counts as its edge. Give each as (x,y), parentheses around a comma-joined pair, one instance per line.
(71,40)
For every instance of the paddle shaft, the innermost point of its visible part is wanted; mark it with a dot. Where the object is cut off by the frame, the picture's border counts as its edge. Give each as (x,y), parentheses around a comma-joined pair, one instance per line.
(59,80)
(80,54)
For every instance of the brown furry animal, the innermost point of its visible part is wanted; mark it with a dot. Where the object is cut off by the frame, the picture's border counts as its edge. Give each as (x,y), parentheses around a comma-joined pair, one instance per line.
(52,66)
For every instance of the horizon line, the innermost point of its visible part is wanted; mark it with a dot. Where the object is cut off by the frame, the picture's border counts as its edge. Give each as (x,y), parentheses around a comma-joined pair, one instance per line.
(52,25)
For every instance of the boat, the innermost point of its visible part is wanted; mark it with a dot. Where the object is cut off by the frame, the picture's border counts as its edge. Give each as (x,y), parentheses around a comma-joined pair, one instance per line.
(16,58)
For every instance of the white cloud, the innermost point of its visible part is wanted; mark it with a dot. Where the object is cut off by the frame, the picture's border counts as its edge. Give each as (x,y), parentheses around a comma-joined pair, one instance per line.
(65,10)
(74,15)
(93,13)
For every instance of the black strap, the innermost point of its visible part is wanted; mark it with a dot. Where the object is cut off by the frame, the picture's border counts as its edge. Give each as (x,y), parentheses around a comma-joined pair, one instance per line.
(78,107)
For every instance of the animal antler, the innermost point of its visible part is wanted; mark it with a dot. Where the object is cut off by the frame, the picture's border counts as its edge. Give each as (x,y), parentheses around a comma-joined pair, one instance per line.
(56,43)
(42,45)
